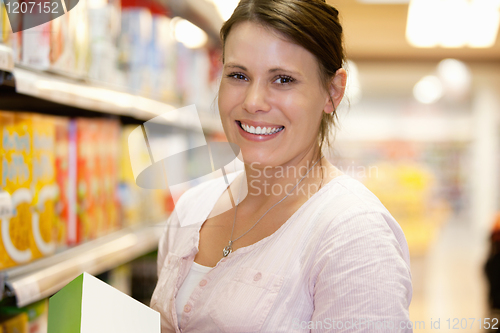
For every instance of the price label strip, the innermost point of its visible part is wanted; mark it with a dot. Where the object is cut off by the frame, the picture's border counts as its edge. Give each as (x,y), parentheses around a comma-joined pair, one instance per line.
(6,209)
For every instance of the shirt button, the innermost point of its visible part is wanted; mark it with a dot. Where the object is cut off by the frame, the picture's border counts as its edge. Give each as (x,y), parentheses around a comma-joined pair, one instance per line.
(203,283)
(187,308)
(257,277)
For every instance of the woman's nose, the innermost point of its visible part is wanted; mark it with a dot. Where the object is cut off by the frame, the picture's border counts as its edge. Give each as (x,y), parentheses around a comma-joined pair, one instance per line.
(256,98)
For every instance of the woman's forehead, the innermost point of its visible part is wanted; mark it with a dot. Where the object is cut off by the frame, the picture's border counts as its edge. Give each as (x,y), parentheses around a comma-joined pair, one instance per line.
(251,44)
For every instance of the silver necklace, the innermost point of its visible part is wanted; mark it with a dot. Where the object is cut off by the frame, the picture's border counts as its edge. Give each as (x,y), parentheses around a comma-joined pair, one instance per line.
(228,249)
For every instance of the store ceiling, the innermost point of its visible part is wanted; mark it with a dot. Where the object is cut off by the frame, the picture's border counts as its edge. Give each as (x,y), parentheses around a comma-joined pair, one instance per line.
(377,32)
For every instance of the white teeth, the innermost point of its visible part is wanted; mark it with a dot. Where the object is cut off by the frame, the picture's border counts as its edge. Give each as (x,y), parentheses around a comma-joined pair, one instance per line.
(261,130)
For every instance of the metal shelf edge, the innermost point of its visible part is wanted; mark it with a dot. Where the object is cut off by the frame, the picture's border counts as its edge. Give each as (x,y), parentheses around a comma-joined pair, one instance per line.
(68,91)
(42,278)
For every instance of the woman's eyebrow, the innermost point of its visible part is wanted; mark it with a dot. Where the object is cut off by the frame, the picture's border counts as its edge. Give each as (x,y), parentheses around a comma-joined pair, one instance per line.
(231,65)
(280,69)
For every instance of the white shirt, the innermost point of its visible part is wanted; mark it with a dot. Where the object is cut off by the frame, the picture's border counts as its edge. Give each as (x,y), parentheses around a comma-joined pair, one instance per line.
(341,259)
(194,277)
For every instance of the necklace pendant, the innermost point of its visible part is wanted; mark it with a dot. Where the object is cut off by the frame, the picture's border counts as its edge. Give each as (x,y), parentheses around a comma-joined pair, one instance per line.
(226,251)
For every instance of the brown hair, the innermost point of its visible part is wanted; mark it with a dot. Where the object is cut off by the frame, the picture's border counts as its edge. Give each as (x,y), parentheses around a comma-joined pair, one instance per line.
(312,24)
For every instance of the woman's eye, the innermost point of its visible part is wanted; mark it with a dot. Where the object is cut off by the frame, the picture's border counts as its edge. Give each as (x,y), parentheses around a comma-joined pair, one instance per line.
(237,76)
(284,80)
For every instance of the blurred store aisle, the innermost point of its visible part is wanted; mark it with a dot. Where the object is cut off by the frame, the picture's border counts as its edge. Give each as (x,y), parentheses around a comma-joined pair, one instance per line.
(449,282)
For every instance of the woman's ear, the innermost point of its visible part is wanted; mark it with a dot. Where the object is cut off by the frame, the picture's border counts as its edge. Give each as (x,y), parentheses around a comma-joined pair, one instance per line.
(336,91)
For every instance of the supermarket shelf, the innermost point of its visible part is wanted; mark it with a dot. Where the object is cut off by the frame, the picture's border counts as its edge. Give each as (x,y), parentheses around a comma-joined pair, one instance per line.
(44,277)
(6,58)
(59,89)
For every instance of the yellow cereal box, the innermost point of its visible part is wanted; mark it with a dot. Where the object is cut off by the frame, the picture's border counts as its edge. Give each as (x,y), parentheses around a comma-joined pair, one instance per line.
(128,191)
(44,185)
(5,29)
(16,180)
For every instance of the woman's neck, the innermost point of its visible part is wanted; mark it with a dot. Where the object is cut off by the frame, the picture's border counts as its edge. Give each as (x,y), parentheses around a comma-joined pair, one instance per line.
(273,183)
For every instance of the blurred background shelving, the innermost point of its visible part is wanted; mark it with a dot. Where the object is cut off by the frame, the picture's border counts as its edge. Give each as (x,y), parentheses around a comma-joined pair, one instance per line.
(74,89)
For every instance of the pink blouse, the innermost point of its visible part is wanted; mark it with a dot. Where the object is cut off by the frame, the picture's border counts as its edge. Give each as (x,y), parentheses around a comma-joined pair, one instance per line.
(340,263)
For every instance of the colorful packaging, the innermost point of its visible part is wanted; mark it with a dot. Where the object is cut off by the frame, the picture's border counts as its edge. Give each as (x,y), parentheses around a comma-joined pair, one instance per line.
(128,191)
(36,42)
(16,324)
(135,39)
(78,37)
(162,59)
(2,21)
(89,212)
(5,28)
(104,30)
(72,223)
(34,317)
(38,316)
(110,132)
(44,185)
(58,37)
(62,179)
(16,171)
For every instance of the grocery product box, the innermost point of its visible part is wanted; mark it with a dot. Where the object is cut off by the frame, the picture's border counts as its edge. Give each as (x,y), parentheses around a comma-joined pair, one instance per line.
(28,176)
(110,134)
(15,324)
(5,28)
(89,305)
(29,319)
(62,209)
(16,180)
(87,180)
(44,186)
(36,43)
(128,191)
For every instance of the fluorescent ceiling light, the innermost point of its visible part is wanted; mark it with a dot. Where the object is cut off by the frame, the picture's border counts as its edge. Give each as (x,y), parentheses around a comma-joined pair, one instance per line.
(428,90)
(484,18)
(453,23)
(454,74)
(188,34)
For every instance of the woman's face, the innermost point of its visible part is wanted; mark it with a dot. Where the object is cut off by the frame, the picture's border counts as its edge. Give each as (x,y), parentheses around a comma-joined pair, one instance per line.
(271,85)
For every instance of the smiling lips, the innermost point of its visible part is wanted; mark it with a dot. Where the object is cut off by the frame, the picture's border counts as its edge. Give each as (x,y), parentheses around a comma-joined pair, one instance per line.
(260,130)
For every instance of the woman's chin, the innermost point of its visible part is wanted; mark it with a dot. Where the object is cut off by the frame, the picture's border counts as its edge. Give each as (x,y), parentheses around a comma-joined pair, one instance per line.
(260,159)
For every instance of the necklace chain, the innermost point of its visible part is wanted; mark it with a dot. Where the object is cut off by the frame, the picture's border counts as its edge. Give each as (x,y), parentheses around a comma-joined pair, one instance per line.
(228,249)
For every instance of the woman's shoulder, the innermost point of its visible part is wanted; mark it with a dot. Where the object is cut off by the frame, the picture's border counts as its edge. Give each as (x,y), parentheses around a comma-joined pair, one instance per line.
(354,212)
(349,195)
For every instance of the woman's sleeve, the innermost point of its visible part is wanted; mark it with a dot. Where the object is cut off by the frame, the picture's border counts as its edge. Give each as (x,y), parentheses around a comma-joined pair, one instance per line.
(162,247)
(167,239)
(361,277)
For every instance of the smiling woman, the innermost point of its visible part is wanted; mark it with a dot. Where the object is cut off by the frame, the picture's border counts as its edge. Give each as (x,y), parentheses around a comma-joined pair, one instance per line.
(302,250)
